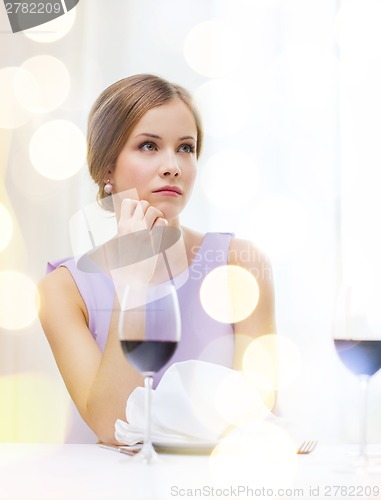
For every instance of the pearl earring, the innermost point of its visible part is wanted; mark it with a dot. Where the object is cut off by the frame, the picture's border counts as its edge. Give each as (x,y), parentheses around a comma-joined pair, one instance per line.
(108,187)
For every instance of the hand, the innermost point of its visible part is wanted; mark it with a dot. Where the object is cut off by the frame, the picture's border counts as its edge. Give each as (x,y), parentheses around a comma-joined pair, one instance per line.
(136,259)
(139,215)
(139,233)
(135,256)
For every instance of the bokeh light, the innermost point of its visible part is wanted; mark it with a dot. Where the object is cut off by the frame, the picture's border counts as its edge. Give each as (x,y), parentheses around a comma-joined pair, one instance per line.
(6,226)
(239,401)
(30,183)
(272,361)
(58,149)
(35,408)
(12,113)
(280,225)
(259,454)
(43,85)
(229,294)
(18,300)
(263,384)
(53,30)
(224,189)
(225,106)
(212,48)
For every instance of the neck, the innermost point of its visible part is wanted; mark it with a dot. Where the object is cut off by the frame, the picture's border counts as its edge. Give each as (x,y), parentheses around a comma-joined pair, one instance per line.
(175,222)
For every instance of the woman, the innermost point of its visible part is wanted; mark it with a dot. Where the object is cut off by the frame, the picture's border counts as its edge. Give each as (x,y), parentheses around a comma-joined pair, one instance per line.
(144,139)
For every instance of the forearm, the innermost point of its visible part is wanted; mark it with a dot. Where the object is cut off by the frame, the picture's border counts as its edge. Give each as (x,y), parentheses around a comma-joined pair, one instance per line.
(99,383)
(113,384)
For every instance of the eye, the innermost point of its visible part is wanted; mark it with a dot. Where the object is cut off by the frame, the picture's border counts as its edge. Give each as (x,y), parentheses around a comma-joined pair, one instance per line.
(148,146)
(186,148)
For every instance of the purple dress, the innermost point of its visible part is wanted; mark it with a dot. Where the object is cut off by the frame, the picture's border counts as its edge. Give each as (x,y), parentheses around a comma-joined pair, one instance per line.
(202,337)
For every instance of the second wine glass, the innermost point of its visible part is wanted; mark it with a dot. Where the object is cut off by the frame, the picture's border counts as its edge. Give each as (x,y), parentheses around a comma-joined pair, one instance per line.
(149,332)
(357,341)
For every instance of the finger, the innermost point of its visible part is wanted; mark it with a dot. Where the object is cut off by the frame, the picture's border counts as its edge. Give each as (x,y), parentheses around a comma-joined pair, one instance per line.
(160,221)
(126,210)
(151,216)
(128,207)
(140,210)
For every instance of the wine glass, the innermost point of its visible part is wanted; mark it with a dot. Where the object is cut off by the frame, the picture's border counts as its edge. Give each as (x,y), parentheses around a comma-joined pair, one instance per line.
(357,340)
(149,331)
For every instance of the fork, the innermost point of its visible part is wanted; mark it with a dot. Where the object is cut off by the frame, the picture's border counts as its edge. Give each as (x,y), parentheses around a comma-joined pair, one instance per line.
(306,447)
(128,450)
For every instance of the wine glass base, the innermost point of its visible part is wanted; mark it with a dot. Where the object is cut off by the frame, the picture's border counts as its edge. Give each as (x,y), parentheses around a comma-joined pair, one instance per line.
(147,455)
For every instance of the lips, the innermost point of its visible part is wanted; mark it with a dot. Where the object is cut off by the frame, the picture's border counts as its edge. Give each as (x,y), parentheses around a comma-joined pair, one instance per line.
(168,190)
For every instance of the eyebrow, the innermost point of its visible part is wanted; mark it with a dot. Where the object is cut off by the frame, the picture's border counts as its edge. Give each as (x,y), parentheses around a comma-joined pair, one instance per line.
(154,136)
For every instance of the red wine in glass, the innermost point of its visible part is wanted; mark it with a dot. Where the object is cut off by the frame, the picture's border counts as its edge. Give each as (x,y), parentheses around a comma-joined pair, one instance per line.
(149,335)
(361,357)
(148,356)
(358,345)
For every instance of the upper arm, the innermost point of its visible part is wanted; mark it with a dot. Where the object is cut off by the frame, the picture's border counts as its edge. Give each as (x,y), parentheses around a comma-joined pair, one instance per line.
(63,318)
(261,321)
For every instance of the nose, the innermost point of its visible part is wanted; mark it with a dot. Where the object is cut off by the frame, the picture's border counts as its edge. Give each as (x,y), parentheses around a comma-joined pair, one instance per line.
(170,166)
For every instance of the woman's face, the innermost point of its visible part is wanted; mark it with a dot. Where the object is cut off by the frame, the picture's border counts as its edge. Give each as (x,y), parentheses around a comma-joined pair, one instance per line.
(159,158)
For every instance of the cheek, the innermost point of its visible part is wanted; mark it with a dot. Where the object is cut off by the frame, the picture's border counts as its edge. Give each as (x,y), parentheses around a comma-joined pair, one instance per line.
(189,171)
(191,177)
(131,174)
(138,177)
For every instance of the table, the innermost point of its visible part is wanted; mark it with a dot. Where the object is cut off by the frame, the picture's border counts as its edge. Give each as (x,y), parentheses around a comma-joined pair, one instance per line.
(88,472)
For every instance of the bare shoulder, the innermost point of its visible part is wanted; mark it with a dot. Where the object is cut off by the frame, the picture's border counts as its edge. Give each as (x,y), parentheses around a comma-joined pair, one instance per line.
(58,280)
(58,290)
(246,254)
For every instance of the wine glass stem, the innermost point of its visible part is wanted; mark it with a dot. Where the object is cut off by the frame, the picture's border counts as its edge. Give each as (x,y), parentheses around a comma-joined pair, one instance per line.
(364,384)
(148,380)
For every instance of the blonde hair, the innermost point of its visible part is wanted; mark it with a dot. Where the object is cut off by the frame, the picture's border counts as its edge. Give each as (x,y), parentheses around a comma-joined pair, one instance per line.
(116,112)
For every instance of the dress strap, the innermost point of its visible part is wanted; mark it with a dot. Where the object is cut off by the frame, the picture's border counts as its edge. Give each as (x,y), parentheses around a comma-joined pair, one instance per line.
(212,253)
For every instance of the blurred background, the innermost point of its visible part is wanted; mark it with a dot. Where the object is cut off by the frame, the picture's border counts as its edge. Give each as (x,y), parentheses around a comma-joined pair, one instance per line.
(290,95)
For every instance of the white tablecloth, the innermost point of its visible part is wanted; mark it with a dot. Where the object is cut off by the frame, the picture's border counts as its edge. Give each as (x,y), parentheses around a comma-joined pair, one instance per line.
(88,472)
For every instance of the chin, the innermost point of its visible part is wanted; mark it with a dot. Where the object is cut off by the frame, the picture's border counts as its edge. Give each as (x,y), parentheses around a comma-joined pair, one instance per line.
(171,215)
(169,212)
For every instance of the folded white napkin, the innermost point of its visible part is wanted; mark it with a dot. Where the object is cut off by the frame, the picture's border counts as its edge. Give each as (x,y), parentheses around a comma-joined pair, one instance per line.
(194,402)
